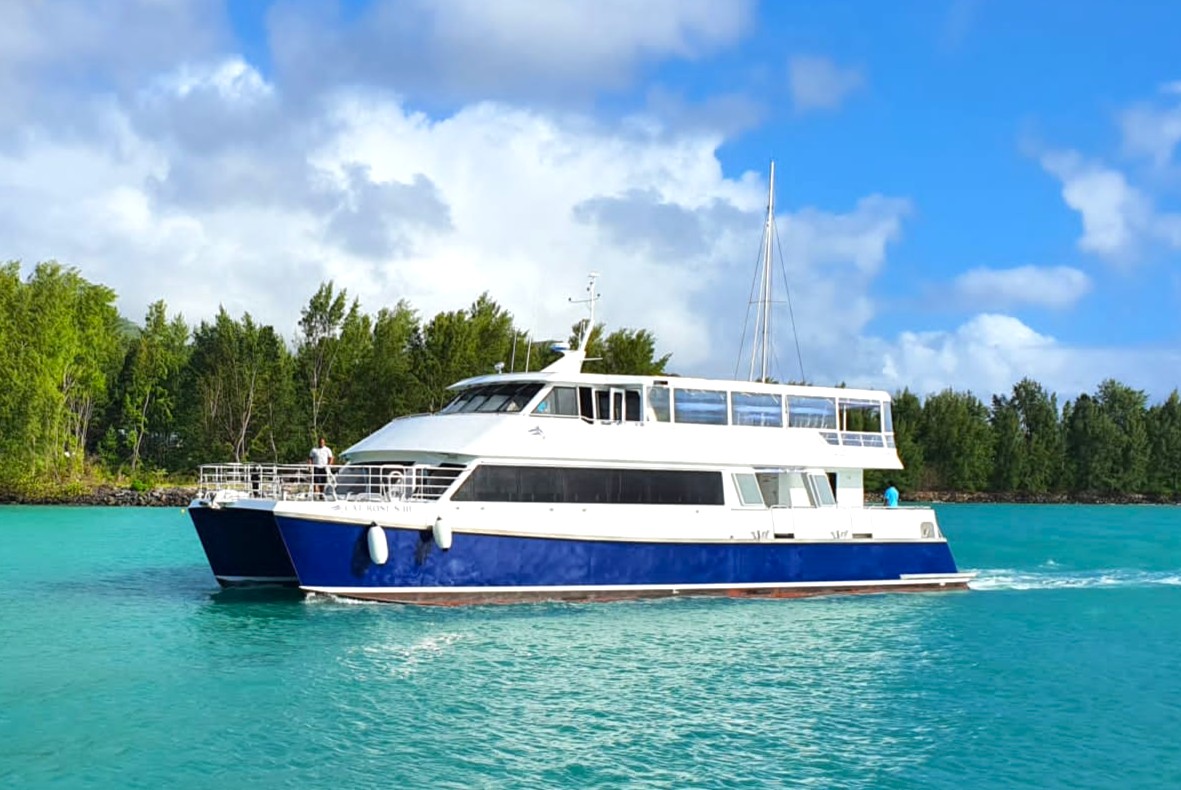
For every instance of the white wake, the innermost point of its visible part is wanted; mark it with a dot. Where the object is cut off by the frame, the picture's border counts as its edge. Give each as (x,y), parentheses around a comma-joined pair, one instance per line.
(1054,579)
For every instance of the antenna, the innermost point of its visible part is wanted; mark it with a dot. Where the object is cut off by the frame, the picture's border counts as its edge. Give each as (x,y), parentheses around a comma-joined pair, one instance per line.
(591,298)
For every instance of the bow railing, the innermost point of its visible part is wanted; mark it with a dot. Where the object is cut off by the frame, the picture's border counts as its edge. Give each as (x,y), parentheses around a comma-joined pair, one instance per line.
(351,482)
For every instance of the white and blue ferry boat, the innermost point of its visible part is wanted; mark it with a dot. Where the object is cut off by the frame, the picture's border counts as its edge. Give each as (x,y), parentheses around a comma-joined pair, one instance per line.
(564,485)
(560,484)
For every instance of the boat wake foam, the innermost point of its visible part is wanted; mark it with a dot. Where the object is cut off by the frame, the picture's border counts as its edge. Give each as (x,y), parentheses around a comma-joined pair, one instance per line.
(1012,579)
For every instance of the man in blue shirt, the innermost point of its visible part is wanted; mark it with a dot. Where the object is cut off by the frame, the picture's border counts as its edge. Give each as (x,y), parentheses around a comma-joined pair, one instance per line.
(891,495)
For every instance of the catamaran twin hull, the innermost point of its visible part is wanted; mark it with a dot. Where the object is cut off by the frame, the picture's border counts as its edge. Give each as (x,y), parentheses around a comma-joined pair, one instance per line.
(407,564)
(242,543)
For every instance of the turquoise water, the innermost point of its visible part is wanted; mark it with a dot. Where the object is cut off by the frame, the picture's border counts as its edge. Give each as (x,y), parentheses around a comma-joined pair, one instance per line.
(122,665)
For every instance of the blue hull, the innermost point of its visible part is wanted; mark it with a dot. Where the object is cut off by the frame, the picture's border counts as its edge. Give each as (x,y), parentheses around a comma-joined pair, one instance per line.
(334,557)
(243,546)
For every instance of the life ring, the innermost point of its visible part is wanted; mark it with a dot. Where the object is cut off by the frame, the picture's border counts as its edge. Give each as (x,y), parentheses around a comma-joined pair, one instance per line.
(392,485)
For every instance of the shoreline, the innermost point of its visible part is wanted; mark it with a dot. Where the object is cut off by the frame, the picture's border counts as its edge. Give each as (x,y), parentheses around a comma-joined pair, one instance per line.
(181,496)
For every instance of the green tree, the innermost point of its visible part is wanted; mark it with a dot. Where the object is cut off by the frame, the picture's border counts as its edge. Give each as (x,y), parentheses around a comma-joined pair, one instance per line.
(1164,427)
(242,374)
(957,441)
(149,386)
(460,344)
(61,346)
(317,350)
(1092,446)
(387,373)
(630,352)
(1041,429)
(1009,453)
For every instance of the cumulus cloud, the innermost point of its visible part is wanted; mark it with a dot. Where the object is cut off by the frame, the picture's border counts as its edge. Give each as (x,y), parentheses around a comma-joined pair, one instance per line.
(196,177)
(990,352)
(472,49)
(1153,131)
(1118,219)
(1056,287)
(817,83)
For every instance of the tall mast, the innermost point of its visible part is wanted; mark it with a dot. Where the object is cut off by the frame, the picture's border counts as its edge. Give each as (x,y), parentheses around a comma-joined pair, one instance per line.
(761,346)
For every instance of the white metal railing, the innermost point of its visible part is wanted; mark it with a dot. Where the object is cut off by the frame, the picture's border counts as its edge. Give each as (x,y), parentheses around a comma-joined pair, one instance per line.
(352,482)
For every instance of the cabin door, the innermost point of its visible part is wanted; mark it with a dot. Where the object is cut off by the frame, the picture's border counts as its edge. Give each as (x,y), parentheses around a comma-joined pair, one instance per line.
(617,406)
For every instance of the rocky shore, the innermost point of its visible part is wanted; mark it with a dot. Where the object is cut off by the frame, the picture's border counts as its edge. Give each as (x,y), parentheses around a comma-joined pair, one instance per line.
(180,496)
(1016,498)
(110,496)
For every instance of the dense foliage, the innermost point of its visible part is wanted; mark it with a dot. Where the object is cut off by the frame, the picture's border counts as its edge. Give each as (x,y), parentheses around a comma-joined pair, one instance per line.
(89,395)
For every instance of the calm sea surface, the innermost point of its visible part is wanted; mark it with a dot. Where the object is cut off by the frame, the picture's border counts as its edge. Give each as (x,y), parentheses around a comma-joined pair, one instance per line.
(122,665)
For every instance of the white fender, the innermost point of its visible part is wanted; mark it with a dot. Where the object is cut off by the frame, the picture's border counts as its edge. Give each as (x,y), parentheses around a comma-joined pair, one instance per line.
(442,534)
(379,547)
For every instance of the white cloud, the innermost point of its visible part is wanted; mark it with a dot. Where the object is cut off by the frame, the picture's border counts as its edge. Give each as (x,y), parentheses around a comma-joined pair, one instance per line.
(199,181)
(991,352)
(231,78)
(1118,219)
(1056,287)
(471,49)
(817,83)
(1152,131)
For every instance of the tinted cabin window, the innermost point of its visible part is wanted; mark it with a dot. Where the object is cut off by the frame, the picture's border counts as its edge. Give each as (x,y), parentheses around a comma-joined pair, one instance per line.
(805,412)
(631,400)
(701,407)
(560,401)
(658,406)
(586,403)
(489,483)
(493,398)
(755,408)
(603,404)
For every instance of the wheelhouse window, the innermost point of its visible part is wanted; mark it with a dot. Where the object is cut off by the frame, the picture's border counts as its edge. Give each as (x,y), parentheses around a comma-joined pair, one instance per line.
(820,490)
(559,402)
(659,408)
(495,483)
(700,407)
(749,493)
(489,398)
(756,408)
(805,412)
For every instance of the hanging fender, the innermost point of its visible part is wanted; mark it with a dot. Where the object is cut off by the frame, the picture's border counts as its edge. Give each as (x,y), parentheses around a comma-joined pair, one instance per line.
(441,532)
(379,547)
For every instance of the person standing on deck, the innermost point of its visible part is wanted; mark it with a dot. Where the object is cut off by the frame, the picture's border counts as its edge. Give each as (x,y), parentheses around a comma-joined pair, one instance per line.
(891,495)
(320,459)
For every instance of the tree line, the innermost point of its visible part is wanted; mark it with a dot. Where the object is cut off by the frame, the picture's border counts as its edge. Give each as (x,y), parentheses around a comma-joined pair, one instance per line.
(88,396)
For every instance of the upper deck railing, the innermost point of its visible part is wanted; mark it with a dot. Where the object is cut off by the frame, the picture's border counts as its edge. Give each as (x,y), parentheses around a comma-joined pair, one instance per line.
(352,482)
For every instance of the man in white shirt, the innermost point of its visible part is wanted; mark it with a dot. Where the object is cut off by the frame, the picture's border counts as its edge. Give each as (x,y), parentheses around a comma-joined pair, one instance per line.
(320,459)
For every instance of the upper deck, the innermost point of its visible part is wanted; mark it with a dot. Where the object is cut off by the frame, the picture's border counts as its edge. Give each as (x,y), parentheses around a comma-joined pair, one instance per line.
(570,415)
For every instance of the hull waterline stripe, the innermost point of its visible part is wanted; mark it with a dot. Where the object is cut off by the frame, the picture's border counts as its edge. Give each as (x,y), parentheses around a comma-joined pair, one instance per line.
(905,580)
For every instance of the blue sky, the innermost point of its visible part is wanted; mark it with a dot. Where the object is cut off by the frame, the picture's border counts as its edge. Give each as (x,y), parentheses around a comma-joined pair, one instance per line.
(968,192)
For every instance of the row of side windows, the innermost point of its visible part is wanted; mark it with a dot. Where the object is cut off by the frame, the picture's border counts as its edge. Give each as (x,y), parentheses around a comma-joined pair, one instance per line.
(711,407)
(494,483)
(717,407)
